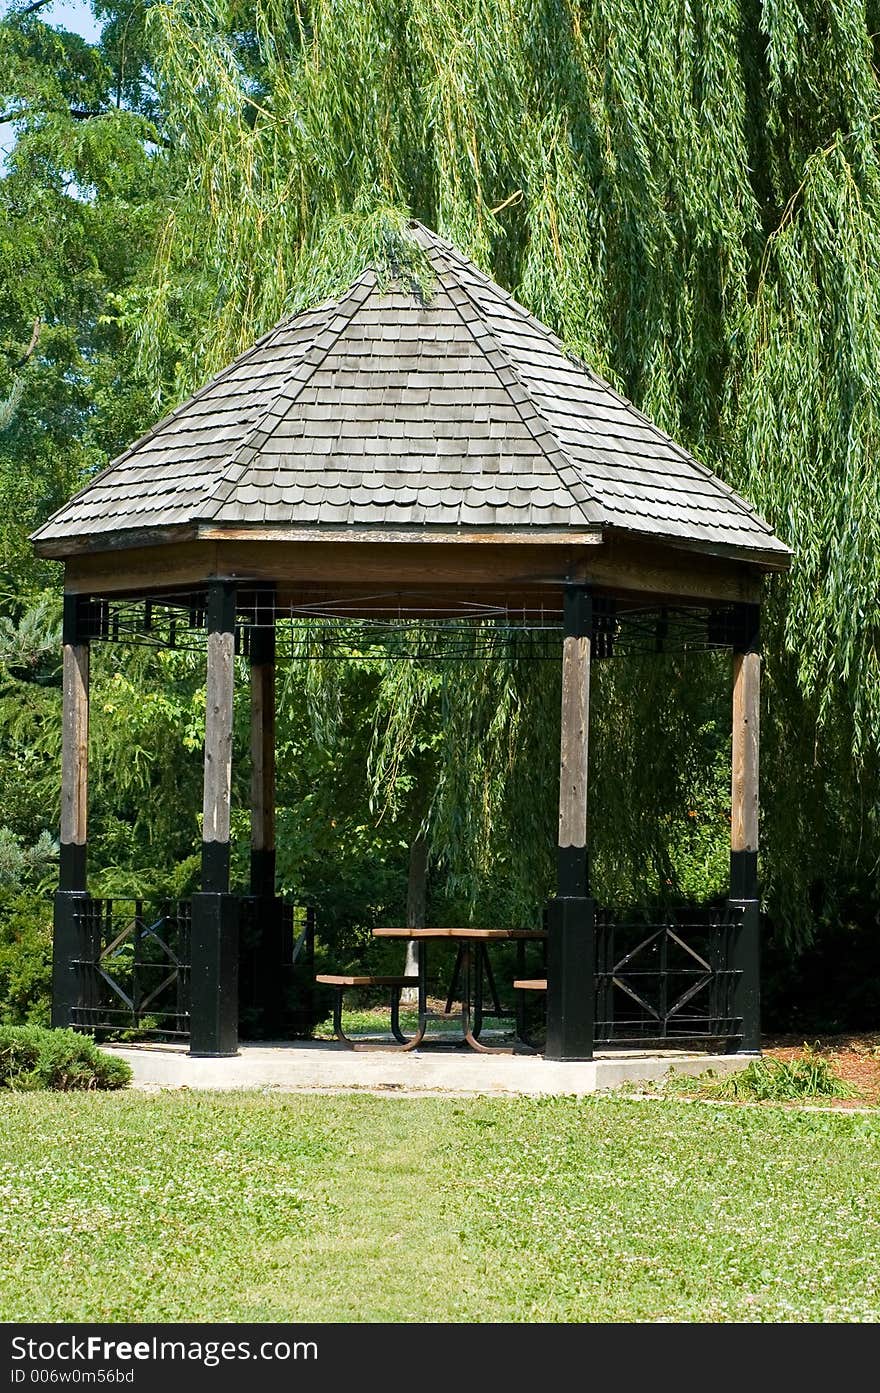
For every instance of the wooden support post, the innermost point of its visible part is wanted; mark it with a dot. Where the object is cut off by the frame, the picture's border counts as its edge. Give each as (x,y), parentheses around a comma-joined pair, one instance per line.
(744,825)
(217,801)
(214,940)
(571,950)
(744,782)
(71,898)
(573,877)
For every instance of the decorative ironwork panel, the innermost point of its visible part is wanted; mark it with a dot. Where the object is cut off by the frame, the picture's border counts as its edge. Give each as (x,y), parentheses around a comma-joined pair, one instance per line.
(134,972)
(175,620)
(668,980)
(134,968)
(659,629)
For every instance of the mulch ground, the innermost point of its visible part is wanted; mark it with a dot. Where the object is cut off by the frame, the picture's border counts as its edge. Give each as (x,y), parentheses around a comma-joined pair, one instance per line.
(854,1058)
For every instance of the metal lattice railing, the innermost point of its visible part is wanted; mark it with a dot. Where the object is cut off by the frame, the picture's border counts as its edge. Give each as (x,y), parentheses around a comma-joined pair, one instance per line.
(134,964)
(663,980)
(666,980)
(134,968)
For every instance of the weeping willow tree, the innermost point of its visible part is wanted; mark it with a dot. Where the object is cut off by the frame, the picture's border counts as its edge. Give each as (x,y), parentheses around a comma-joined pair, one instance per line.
(688,191)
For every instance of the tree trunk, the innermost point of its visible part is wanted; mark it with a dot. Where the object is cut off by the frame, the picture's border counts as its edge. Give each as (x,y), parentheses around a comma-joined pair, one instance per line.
(416,900)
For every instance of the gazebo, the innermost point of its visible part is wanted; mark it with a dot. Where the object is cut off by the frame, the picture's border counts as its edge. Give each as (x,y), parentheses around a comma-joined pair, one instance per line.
(420,455)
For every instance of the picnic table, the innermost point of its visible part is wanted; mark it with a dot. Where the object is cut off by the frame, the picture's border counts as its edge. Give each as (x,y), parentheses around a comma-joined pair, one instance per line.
(471,975)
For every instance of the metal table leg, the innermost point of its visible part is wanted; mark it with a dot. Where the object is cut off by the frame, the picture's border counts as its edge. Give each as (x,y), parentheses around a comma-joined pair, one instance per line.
(469,1031)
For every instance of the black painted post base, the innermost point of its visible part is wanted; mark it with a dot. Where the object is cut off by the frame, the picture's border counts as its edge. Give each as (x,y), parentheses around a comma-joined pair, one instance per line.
(214,974)
(267,967)
(746,960)
(745,951)
(69,949)
(570,978)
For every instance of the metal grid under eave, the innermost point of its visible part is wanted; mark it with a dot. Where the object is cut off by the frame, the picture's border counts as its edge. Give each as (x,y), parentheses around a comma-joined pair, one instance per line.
(403,626)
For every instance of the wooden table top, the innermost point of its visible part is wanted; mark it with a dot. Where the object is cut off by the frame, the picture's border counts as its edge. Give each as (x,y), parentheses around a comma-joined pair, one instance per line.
(482,935)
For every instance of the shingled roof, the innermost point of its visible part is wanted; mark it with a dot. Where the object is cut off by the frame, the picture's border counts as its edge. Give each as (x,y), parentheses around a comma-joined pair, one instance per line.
(382,411)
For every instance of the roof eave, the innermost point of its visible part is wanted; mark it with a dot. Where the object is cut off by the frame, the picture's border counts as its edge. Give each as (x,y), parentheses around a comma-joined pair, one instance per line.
(59,548)
(777,557)
(93,543)
(773,559)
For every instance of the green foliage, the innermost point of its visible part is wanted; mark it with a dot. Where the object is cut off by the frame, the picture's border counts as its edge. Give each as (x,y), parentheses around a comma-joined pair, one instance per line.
(25,956)
(79,202)
(31,647)
(688,194)
(26,874)
(19,863)
(34,1058)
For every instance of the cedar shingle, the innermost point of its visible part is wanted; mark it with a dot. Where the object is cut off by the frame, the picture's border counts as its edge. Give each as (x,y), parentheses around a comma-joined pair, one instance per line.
(380,409)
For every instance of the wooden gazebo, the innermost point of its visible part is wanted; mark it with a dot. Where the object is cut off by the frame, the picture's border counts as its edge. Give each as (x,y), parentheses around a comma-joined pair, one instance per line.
(420,456)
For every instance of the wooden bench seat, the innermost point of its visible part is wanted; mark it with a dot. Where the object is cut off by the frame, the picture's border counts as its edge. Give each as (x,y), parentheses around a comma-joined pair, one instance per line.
(526,984)
(334,979)
(341,981)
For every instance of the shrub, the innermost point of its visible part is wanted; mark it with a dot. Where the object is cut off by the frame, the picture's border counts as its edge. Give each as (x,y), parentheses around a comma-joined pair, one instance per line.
(34,1058)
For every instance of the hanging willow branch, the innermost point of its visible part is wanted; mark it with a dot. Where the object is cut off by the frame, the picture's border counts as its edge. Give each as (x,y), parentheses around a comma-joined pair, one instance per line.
(688,191)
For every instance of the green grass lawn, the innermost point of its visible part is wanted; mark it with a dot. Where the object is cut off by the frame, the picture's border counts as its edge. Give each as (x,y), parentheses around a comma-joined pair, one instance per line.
(225,1207)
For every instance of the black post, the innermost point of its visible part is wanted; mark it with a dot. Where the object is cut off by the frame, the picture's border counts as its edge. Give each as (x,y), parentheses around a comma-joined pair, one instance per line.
(571,916)
(70,946)
(215,913)
(265,952)
(214,974)
(745,937)
(262,672)
(70,937)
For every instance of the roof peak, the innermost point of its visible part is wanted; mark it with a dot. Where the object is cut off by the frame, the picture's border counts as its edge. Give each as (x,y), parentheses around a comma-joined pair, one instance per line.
(380,408)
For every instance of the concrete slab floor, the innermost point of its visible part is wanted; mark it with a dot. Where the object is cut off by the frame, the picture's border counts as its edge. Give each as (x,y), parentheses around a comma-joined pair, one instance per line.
(323,1066)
